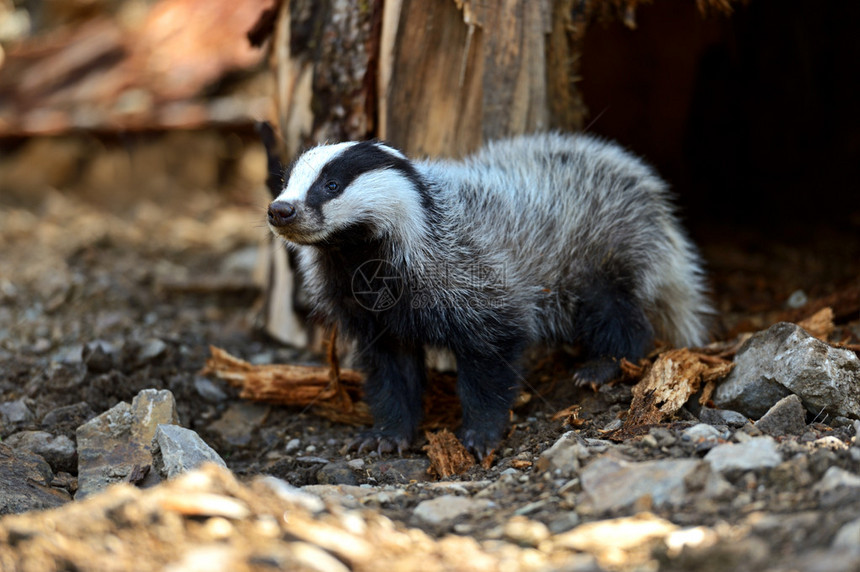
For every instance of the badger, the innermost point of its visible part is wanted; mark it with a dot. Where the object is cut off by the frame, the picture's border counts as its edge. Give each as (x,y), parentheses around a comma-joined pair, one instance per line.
(541,238)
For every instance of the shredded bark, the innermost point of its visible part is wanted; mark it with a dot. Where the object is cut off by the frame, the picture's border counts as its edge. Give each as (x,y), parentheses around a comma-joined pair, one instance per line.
(447,455)
(820,324)
(668,385)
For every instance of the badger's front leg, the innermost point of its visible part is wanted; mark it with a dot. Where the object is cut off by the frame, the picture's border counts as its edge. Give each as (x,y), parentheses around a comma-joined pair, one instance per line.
(393,387)
(488,383)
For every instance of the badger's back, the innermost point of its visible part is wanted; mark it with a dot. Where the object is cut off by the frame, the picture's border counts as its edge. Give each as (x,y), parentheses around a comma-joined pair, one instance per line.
(555,214)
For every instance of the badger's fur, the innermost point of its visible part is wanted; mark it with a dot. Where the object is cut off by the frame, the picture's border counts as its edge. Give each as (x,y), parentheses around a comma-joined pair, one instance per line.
(544,237)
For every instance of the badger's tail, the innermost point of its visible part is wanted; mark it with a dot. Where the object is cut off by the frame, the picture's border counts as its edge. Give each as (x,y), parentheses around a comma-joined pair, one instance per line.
(683,314)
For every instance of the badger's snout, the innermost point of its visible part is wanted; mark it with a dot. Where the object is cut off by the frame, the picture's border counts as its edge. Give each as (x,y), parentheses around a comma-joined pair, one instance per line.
(281,213)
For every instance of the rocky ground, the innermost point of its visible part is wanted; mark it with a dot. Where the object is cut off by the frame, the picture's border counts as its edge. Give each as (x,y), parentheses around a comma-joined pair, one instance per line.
(111,301)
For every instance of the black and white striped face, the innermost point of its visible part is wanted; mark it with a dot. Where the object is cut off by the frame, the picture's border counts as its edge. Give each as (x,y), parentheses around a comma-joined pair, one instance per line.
(347,186)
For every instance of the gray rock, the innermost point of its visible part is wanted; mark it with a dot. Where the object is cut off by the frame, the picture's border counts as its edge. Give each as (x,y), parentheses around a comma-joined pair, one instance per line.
(117,445)
(237,424)
(610,484)
(400,470)
(835,478)
(756,453)
(151,350)
(295,495)
(58,450)
(14,414)
(176,450)
(564,458)
(855,441)
(99,356)
(842,560)
(444,510)
(338,473)
(848,536)
(70,355)
(312,460)
(785,359)
(65,420)
(564,522)
(25,480)
(209,390)
(702,432)
(797,299)
(786,417)
(725,417)
(665,437)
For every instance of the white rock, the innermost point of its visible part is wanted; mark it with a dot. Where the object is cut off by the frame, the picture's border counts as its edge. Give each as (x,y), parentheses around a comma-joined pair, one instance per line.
(848,536)
(758,452)
(613,484)
(445,509)
(563,458)
(835,478)
(701,432)
(289,493)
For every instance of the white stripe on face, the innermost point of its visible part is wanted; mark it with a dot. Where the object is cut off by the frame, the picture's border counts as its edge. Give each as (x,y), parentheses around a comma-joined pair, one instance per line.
(307,169)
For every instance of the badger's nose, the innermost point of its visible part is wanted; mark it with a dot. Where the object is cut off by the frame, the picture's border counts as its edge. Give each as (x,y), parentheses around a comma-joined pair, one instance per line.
(281,213)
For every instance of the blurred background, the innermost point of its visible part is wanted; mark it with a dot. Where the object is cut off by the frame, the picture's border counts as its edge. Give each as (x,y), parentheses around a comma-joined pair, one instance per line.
(141,114)
(116,97)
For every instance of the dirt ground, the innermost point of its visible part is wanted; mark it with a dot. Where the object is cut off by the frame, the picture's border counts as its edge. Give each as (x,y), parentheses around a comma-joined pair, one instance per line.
(154,277)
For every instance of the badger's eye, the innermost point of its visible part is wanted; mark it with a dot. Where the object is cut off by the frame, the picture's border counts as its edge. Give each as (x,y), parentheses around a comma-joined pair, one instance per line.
(332,186)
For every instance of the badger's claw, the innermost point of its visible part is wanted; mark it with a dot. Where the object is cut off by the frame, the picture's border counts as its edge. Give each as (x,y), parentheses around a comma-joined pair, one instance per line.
(597,372)
(479,444)
(375,439)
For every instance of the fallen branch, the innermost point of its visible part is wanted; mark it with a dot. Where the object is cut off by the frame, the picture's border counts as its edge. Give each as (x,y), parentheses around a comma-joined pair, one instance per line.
(332,392)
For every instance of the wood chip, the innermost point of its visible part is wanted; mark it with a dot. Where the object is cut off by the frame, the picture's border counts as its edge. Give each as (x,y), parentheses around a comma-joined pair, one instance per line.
(569,416)
(820,324)
(447,455)
(671,381)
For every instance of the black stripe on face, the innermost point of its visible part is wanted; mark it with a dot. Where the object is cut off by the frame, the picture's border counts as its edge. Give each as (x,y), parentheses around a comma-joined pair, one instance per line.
(357,160)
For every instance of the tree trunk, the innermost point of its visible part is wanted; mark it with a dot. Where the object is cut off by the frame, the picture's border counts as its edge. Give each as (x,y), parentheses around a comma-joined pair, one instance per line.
(432,77)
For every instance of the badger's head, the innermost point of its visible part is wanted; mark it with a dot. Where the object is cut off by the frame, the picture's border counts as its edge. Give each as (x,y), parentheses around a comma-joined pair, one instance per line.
(333,190)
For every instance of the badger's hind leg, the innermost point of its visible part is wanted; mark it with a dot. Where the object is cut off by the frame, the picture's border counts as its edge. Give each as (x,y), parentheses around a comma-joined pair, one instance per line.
(611,325)
(394,388)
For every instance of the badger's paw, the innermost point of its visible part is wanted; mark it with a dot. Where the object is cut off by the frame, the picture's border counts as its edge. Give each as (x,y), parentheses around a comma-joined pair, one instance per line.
(479,443)
(597,372)
(380,441)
